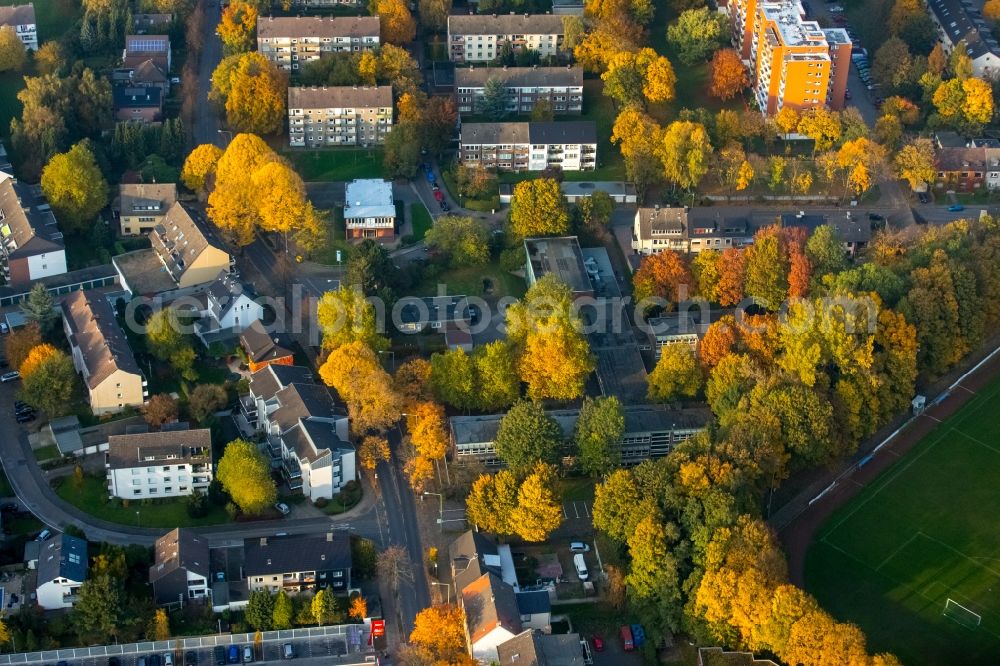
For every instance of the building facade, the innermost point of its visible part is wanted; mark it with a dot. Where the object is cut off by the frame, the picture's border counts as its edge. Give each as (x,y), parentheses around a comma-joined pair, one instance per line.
(339,116)
(967,169)
(169,463)
(482,38)
(291,42)
(142,206)
(690,229)
(370,211)
(188,253)
(532,146)
(180,571)
(959,21)
(31,245)
(224,309)
(298,563)
(62,569)
(22,19)
(562,87)
(101,354)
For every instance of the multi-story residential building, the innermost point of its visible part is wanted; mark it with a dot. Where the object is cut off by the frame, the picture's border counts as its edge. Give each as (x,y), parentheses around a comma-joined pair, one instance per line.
(298,563)
(140,48)
(31,245)
(169,463)
(326,3)
(262,349)
(651,431)
(370,211)
(561,86)
(142,206)
(570,145)
(292,41)
(339,115)
(101,354)
(967,169)
(224,309)
(190,255)
(181,569)
(22,19)
(690,229)
(62,569)
(306,436)
(960,21)
(481,37)
(793,62)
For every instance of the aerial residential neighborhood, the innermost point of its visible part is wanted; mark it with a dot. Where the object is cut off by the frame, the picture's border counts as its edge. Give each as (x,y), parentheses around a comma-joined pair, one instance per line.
(499,332)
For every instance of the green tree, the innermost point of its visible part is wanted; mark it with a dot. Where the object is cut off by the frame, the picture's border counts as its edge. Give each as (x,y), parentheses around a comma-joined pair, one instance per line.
(205,400)
(402,150)
(40,307)
(75,187)
(598,435)
(260,608)
(539,511)
(100,611)
(463,240)
(51,385)
(697,33)
(283,613)
(615,505)
(453,378)
(370,269)
(245,474)
(825,251)
(596,210)
(654,569)
(167,342)
(767,270)
(493,103)
(323,606)
(685,153)
(537,209)
(526,436)
(344,316)
(497,383)
(676,375)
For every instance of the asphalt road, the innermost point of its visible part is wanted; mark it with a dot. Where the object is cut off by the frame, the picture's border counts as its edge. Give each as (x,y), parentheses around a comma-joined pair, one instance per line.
(207,125)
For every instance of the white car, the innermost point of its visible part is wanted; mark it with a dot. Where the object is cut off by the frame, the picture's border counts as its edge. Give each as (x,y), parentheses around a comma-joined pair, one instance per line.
(835,9)
(282,508)
(11,376)
(579,547)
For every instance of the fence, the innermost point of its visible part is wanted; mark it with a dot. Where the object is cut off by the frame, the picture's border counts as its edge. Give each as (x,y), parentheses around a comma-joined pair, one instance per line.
(355,636)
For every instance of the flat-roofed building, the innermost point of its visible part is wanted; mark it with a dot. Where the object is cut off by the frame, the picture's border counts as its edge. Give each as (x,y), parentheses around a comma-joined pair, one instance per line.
(339,115)
(142,206)
(22,19)
(561,86)
(168,463)
(570,145)
(292,41)
(481,37)
(370,211)
(561,257)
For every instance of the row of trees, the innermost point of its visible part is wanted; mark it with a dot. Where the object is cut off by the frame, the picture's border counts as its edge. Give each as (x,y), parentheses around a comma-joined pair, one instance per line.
(266,611)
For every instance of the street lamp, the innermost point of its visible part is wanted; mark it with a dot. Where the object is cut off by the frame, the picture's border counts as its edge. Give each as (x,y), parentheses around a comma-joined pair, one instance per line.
(440,509)
(446,586)
(222,131)
(137,518)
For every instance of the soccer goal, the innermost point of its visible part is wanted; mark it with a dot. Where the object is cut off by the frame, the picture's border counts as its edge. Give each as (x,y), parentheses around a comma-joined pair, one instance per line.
(961,614)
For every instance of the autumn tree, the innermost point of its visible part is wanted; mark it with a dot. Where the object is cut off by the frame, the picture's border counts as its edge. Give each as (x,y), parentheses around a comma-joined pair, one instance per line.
(453,379)
(253,92)
(37,356)
(862,161)
(719,340)
(396,24)
(596,209)
(526,436)
(640,138)
(598,434)
(616,500)
(496,375)
(237,28)
(160,409)
(491,502)
(555,363)
(434,13)
(167,341)
(74,186)
(284,611)
(161,625)
(20,342)
(665,275)
(345,316)
(732,274)
(199,167)
(13,55)
(822,126)
(353,369)
(537,209)
(685,153)
(463,240)
(728,75)
(372,451)
(205,400)
(427,427)
(539,511)
(50,382)
(697,33)
(767,269)
(438,636)
(787,120)
(634,77)
(676,375)
(358,608)
(323,606)
(245,474)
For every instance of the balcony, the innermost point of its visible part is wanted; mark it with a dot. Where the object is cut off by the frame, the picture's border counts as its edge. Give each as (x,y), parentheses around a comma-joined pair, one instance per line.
(290,468)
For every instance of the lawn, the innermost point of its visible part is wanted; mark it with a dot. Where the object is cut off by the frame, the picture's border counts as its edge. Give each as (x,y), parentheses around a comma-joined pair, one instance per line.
(469,282)
(336,164)
(923,533)
(421,220)
(92,497)
(50,452)
(335,241)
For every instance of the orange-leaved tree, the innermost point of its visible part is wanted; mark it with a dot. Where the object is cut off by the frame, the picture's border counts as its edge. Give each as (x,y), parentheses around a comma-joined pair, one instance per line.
(728,74)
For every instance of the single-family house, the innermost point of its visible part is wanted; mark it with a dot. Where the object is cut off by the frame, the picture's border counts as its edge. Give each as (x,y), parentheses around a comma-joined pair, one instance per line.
(62,569)
(491,616)
(140,48)
(226,307)
(535,648)
(138,104)
(180,571)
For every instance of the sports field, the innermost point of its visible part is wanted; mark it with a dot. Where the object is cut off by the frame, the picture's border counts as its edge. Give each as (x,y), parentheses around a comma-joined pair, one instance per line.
(928,530)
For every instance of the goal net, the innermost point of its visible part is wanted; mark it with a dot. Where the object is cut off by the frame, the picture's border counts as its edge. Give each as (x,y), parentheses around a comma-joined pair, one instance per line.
(961,614)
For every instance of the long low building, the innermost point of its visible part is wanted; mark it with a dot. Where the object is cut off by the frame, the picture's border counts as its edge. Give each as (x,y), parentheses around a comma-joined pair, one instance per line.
(482,38)
(651,431)
(530,146)
(561,86)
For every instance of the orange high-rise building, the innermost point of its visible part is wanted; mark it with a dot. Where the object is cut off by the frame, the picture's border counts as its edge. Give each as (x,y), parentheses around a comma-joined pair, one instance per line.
(793,62)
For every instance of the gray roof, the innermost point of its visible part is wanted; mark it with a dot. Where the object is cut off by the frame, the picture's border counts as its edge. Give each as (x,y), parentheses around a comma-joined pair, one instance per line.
(533,648)
(223,294)
(62,556)
(561,257)
(850,228)
(271,27)
(314,438)
(519,77)
(586,188)
(65,431)
(17,15)
(505,24)
(259,345)
(28,227)
(305,552)
(684,322)
(180,549)
(95,330)
(564,131)
(171,447)
(145,198)
(299,401)
(340,97)
(414,309)
(138,97)
(962,21)
(147,44)
(724,221)
(489,603)
(534,602)
(266,382)
(554,132)
(178,240)
(148,72)
(468,557)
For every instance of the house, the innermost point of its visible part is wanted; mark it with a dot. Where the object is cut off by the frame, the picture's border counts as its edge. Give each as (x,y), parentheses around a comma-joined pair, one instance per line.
(180,569)
(370,211)
(22,19)
(561,86)
(473,554)
(292,41)
(142,206)
(32,246)
(140,48)
(262,349)
(134,103)
(959,22)
(298,563)
(148,75)
(569,145)
(436,312)
(854,231)
(339,115)
(967,169)
(306,435)
(491,616)
(534,648)
(651,431)
(483,38)
(168,463)
(62,569)
(101,354)
(690,229)
(225,308)
(326,3)
(535,608)
(561,257)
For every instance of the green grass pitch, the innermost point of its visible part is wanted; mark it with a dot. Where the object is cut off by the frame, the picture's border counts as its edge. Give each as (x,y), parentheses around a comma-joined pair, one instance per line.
(925,531)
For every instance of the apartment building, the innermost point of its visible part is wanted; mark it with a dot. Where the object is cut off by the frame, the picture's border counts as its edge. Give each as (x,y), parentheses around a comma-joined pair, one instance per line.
(31,245)
(569,145)
(62,569)
(298,563)
(962,21)
(168,463)
(691,229)
(480,37)
(22,19)
(180,570)
(561,86)
(292,41)
(793,62)
(190,255)
(339,115)
(326,3)
(142,206)
(370,211)
(101,353)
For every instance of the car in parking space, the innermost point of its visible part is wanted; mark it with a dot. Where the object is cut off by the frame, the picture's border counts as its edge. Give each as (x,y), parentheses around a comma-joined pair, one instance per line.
(11,376)
(956,208)
(141,661)
(579,547)
(220,655)
(598,643)
(25,418)
(282,508)
(431,178)
(234,654)
(247,654)
(288,651)
(168,659)
(43,535)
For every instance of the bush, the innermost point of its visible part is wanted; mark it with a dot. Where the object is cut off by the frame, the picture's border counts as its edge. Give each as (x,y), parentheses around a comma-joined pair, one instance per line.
(216,495)
(364,557)
(512,259)
(321,502)
(232,510)
(197,504)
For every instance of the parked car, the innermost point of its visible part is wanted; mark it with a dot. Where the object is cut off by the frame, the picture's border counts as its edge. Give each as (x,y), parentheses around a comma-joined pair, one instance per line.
(11,376)
(25,418)
(626,633)
(598,643)
(234,654)
(288,651)
(438,196)
(956,208)
(638,635)
(168,659)
(922,196)
(220,655)
(43,535)
(875,217)
(579,547)
(4,328)
(431,178)
(247,654)
(190,659)
(445,207)
(581,567)
(141,661)
(282,508)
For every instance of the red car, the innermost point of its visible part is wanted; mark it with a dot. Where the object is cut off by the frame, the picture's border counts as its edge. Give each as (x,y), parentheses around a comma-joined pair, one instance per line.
(438,196)
(598,643)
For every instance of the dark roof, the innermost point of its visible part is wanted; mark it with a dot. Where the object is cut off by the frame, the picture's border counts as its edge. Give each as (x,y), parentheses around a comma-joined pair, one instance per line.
(180,549)
(961,159)
(62,556)
(519,77)
(684,322)
(148,72)
(95,330)
(266,382)
(138,97)
(489,603)
(532,603)
(566,131)
(259,345)
(17,15)
(964,22)
(468,554)
(54,282)
(556,132)
(694,222)
(414,309)
(141,198)
(561,257)
(299,401)
(172,447)
(313,439)
(223,294)
(27,225)
(305,552)
(533,648)
(851,229)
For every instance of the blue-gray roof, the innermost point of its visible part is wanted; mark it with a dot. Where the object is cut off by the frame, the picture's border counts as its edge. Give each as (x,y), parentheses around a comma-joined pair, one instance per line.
(532,603)
(62,556)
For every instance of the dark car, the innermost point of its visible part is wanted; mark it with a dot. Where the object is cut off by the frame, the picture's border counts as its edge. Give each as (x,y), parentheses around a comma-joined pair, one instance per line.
(155,660)
(445,207)
(220,655)
(234,654)
(28,418)
(113,661)
(922,196)
(190,659)
(875,217)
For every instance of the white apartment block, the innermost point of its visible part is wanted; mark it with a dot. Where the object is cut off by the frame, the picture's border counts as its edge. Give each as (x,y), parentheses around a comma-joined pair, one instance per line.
(568,145)
(169,463)
(339,115)
(22,19)
(479,38)
(292,41)
(561,86)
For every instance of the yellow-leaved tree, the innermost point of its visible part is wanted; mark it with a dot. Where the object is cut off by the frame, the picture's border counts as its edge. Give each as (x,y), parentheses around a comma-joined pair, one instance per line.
(537,209)
(237,28)
(395,21)
(199,167)
(246,475)
(253,91)
(685,153)
(438,637)
(363,384)
(539,511)
(36,358)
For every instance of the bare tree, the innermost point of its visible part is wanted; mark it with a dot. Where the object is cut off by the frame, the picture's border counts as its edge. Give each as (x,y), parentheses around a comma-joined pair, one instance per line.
(394,566)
